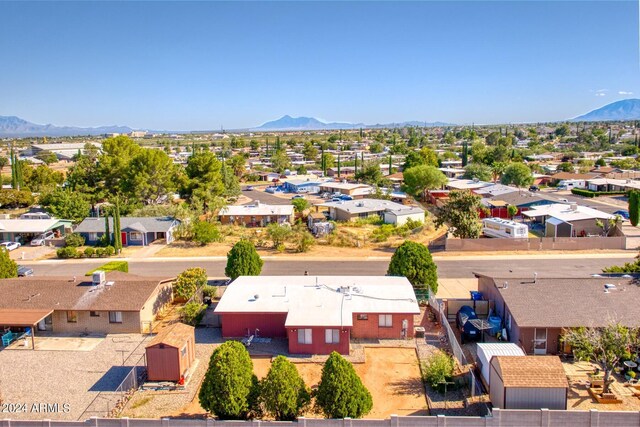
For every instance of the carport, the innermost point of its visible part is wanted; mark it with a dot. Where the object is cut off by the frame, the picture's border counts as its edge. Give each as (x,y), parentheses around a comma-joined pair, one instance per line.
(25,318)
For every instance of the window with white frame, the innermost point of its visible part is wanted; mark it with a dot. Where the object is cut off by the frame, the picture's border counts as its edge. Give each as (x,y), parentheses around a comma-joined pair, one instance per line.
(93,237)
(115,317)
(332,336)
(135,235)
(385,320)
(304,336)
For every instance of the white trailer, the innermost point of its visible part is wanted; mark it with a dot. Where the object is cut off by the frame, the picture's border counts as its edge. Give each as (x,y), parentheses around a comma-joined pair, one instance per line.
(503,228)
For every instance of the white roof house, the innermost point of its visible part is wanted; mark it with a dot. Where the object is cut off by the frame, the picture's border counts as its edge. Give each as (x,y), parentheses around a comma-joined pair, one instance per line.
(31,226)
(466,184)
(392,212)
(567,213)
(257,209)
(486,351)
(319,300)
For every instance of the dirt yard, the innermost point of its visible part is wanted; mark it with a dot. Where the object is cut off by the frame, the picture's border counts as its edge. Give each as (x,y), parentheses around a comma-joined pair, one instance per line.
(392,376)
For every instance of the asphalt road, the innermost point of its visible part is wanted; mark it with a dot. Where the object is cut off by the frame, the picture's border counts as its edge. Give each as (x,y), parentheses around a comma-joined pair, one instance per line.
(584,201)
(558,266)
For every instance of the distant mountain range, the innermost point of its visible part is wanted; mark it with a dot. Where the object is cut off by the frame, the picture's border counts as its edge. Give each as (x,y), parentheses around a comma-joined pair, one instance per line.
(627,109)
(12,127)
(311,123)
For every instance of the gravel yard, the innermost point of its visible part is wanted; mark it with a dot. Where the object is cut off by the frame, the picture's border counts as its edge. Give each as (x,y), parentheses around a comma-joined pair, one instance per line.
(71,379)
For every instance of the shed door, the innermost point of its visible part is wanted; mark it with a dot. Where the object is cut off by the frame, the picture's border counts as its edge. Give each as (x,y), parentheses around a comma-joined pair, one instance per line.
(540,341)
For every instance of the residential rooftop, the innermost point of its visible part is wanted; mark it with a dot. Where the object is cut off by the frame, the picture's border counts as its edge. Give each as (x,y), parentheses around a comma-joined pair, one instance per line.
(257,208)
(531,371)
(370,205)
(567,212)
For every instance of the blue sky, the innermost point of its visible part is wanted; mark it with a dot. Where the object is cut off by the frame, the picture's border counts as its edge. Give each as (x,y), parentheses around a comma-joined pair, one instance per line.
(203,65)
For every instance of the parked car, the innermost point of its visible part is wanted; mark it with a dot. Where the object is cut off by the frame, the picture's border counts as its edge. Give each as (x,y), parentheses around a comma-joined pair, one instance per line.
(336,199)
(298,196)
(534,188)
(563,201)
(345,197)
(248,188)
(623,213)
(41,240)
(24,271)
(10,246)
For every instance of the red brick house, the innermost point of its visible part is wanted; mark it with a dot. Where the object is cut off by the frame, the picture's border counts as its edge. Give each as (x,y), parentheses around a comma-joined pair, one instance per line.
(318,314)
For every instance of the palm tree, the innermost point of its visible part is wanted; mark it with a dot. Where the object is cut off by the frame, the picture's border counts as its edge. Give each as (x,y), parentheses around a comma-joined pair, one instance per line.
(497,169)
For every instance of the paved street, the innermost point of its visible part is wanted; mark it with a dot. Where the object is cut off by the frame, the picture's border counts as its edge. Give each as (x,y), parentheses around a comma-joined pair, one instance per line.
(557,266)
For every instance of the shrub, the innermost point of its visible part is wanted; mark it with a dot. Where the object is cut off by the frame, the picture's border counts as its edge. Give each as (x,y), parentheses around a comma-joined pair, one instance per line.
(413,260)
(631,374)
(89,252)
(73,240)
(438,369)
(283,392)
(188,282)
(8,269)
(229,389)
(243,260)
(110,266)
(99,252)
(304,241)
(281,247)
(341,393)
(209,291)
(192,313)
(412,224)
(382,233)
(109,250)
(205,232)
(68,252)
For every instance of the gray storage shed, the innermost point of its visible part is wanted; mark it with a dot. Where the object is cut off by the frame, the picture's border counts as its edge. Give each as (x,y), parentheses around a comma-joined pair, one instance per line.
(528,382)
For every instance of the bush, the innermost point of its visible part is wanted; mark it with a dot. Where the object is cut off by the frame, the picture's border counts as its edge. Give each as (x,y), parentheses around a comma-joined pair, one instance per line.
(413,261)
(188,282)
(110,266)
(109,250)
(438,369)
(382,233)
(413,224)
(192,313)
(89,252)
(73,240)
(99,252)
(205,232)
(341,393)
(304,241)
(8,269)
(281,247)
(68,252)
(229,389)
(243,260)
(283,391)
(209,291)
(589,193)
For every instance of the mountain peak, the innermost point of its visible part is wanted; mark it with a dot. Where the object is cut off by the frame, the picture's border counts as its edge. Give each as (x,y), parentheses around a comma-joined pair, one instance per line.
(625,109)
(13,126)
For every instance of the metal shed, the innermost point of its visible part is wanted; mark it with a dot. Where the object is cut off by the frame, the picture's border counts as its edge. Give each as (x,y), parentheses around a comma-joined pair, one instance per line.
(486,352)
(171,353)
(528,382)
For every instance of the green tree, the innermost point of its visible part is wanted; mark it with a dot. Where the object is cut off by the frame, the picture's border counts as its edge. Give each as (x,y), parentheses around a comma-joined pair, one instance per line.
(413,261)
(438,368)
(243,260)
(10,198)
(41,178)
(310,151)
(462,214)
(329,160)
(238,164)
(205,232)
(517,174)
(3,163)
(47,156)
(229,384)
(188,282)
(634,207)
(66,204)
(280,161)
(376,148)
(479,171)
(278,233)
(566,167)
(8,267)
(425,156)
(421,179)
(512,210)
(300,205)
(150,177)
(497,169)
(341,393)
(203,178)
(113,163)
(479,152)
(605,346)
(370,173)
(283,392)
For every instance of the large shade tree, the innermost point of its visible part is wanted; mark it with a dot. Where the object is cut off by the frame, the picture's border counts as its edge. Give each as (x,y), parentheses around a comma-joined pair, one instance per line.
(421,179)
(462,214)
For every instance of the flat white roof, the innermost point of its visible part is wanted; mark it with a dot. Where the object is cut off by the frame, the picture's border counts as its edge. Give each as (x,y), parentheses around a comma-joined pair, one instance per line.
(566,213)
(319,300)
(344,185)
(466,184)
(372,205)
(29,225)
(257,209)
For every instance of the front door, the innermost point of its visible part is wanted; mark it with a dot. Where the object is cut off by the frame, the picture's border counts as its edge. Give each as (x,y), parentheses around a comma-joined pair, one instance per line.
(540,341)
(124,238)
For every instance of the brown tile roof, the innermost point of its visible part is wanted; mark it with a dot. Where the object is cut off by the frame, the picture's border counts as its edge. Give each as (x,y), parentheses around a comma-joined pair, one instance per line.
(564,302)
(128,293)
(530,371)
(174,335)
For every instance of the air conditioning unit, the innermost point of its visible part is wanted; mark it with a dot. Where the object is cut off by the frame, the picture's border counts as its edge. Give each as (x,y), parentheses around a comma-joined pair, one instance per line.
(98,278)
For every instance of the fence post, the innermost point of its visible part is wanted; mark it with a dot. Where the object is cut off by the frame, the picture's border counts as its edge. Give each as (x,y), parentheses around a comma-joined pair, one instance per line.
(594,418)
(347,422)
(545,417)
(394,421)
(302,422)
(441,420)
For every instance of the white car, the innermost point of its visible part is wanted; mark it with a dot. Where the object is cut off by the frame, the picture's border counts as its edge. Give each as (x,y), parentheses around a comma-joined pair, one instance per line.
(41,240)
(10,245)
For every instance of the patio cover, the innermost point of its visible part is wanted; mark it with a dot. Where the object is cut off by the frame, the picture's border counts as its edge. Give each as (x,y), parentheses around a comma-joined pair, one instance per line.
(22,318)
